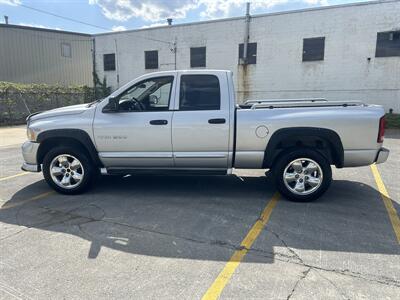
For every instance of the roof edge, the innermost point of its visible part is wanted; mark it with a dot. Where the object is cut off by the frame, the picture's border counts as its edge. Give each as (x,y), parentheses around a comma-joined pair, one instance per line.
(44,29)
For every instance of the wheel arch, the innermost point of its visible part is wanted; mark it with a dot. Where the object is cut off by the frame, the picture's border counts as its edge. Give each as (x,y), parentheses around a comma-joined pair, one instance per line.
(67,137)
(326,141)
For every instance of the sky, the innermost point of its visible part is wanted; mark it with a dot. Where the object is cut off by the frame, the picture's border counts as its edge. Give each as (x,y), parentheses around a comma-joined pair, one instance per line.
(96,16)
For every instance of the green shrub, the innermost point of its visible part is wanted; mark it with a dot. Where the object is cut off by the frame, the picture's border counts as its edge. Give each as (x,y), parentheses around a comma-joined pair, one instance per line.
(18,100)
(392,120)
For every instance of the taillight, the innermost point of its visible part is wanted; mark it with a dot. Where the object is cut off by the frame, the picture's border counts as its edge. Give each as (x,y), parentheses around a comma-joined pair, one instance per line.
(381,133)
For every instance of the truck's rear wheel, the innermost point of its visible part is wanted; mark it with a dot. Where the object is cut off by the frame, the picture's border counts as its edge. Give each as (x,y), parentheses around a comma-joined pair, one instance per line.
(302,175)
(68,170)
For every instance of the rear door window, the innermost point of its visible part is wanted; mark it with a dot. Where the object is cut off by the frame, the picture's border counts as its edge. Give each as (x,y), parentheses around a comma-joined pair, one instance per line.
(199,92)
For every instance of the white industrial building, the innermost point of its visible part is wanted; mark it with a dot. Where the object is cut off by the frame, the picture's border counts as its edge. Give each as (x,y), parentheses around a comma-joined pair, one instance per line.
(343,64)
(345,52)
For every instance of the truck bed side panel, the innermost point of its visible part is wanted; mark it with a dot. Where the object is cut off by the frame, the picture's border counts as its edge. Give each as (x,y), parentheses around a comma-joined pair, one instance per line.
(356,126)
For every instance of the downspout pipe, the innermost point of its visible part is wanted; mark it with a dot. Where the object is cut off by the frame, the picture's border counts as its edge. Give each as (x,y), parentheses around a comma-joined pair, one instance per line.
(116,62)
(94,67)
(247,32)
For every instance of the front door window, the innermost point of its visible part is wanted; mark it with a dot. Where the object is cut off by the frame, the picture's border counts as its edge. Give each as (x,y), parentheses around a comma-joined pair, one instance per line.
(148,95)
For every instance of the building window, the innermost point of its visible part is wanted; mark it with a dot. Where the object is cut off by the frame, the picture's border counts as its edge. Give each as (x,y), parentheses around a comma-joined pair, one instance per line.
(197,57)
(151,59)
(199,92)
(251,53)
(109,62)
(388,44)
(66,50)
(313,49)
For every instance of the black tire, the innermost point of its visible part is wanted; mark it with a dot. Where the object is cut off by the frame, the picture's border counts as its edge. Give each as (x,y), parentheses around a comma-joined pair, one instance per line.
(87,165)
(286,159)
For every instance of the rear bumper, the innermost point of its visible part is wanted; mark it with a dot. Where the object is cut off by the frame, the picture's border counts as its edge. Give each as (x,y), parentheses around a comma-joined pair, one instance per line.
(382,155)
(358,158)
(29,152)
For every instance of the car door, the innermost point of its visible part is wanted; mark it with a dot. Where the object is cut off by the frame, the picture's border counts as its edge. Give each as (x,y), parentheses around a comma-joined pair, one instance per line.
(139,133)
(200,123)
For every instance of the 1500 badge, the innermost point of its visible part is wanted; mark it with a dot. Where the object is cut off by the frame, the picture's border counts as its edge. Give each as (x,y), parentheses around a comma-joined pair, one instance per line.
(112,137)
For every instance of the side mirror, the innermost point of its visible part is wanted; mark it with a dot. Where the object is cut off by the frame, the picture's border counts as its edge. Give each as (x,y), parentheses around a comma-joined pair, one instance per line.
(153,99)
(112,106)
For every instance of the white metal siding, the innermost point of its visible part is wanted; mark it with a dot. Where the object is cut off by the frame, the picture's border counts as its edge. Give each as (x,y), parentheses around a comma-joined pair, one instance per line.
(34,56)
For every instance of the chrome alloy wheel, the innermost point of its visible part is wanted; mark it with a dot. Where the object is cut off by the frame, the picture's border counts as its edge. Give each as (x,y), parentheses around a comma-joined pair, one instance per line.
(303,176)
(66,171)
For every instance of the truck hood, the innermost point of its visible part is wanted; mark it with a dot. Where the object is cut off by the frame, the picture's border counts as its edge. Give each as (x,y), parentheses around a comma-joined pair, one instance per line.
(61,111)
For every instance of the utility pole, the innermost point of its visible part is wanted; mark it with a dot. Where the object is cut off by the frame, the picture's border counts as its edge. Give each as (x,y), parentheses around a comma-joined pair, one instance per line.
(247,32)
(173,49)
(6,19)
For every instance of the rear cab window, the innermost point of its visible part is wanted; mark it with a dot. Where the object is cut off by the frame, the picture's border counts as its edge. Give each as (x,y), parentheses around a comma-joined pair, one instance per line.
(199,92)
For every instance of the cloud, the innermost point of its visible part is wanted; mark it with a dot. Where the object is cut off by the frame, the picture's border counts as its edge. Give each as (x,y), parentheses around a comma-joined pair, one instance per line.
(148,10)
(38,26)
(10,2)
(118,28)
(157,10)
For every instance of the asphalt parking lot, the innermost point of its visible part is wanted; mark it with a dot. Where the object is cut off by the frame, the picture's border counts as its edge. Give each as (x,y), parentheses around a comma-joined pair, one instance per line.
(192,237)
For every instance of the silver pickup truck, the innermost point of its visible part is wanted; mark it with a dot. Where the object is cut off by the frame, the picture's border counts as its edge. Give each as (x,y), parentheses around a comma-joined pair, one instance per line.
(189,122)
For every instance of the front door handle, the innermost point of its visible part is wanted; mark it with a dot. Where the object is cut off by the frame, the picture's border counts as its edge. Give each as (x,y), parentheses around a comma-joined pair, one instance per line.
(158,122)
(217,121)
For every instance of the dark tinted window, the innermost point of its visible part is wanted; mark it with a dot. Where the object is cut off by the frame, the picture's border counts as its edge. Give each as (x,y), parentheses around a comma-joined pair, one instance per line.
(197,57)
(313,49)
(151,59)
(388,44)
(109,62)
(199,92)
(251,53)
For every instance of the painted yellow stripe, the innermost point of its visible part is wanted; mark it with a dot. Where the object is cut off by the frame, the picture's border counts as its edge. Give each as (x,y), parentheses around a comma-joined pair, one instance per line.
(394,218)
(13,176)
(18,203)
(223,278)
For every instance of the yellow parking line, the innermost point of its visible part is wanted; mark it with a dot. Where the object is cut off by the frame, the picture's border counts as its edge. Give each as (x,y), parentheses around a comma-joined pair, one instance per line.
(223,278)
(13,176)
(394,218)
(37,197)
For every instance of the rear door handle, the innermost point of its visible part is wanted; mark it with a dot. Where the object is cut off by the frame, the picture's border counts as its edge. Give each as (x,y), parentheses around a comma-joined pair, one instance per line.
(217,121)
(158,122)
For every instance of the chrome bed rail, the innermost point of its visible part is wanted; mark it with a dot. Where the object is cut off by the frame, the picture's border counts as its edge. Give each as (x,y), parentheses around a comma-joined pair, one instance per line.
(302,103)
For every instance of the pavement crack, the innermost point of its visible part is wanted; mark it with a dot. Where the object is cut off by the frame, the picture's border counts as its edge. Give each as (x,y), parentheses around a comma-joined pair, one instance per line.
(342,294)
(369,277)
(14,234)
(302,277)
(286,245)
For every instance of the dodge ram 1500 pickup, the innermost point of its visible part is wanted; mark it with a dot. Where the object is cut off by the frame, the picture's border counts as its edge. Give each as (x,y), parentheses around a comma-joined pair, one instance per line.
(188,121)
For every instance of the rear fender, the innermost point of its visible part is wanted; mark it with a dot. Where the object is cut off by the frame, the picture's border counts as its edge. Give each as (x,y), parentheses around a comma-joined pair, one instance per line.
(325,141)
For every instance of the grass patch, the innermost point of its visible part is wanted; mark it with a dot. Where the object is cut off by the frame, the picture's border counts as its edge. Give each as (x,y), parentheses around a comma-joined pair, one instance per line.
(392,121)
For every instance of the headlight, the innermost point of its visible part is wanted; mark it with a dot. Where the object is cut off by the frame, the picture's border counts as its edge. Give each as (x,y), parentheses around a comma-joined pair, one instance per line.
(31,134)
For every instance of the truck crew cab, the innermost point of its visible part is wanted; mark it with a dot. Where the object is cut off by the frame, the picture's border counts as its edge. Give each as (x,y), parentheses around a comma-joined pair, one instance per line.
(188,121)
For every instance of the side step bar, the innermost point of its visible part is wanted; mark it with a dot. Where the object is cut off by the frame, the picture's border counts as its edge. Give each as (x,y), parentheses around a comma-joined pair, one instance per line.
(134,171)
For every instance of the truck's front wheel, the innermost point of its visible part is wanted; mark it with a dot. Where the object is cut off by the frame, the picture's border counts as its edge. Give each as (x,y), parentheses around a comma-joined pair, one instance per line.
(302,175)
(67,170)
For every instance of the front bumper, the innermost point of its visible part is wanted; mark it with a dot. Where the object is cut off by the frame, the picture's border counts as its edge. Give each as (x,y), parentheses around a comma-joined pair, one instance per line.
(29,152)
(382,155)
(30,168)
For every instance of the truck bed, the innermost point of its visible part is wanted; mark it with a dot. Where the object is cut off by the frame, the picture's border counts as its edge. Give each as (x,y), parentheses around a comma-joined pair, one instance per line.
(355,123)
